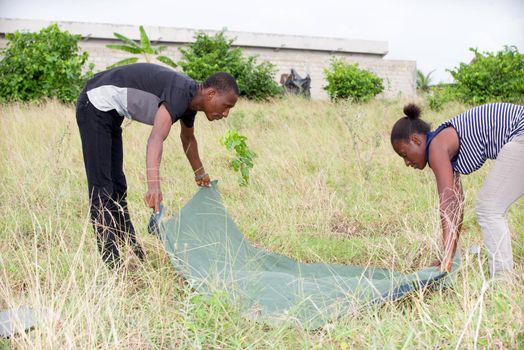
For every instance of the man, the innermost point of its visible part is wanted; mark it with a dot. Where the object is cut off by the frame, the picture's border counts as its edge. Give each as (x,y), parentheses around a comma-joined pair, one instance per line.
(149,94)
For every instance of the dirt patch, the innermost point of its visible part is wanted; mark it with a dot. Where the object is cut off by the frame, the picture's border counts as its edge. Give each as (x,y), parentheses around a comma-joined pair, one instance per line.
(342,225)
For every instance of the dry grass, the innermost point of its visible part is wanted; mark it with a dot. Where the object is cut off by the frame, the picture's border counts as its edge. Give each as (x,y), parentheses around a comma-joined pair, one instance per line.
(326,187)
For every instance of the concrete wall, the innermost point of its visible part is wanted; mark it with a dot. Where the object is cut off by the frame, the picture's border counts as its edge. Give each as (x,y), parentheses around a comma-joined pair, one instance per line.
(308,55)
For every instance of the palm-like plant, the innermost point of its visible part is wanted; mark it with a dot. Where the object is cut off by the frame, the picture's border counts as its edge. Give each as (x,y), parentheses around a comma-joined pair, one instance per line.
(145,49)
(424,81)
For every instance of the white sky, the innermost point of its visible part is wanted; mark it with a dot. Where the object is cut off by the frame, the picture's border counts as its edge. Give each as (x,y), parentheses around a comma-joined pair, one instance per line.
(435,33)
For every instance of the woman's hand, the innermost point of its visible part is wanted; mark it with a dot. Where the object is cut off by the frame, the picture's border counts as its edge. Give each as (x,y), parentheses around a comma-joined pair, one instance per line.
(445,265)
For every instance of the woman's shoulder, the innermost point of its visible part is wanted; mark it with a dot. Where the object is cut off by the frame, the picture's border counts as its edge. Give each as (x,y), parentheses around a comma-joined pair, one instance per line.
(447,140)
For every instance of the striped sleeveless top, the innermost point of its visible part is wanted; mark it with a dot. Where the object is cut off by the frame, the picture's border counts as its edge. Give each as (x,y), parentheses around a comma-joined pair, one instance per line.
(482,132)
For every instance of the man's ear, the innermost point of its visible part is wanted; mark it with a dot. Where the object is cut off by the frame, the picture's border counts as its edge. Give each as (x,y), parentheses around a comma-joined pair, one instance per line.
(210,93)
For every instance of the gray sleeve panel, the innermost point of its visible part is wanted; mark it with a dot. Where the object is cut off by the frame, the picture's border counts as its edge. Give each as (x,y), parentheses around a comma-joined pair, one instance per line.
(142,106)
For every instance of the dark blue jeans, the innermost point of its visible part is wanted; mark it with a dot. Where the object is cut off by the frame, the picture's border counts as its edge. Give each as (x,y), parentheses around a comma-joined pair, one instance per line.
(101,135)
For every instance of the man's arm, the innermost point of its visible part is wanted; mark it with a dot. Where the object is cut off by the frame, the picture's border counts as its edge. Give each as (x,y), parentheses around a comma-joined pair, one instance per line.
(190,146)
(451,206)
(161,128)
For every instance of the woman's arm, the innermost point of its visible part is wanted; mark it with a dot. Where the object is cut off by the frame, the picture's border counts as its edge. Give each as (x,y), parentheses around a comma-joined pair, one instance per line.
(455,219)
(451,203)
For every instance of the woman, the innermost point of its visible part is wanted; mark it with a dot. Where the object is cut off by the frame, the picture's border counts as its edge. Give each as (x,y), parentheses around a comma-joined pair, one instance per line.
(461,145)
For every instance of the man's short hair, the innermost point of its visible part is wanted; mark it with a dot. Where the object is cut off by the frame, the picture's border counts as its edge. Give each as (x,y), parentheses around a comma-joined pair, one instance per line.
(222,82)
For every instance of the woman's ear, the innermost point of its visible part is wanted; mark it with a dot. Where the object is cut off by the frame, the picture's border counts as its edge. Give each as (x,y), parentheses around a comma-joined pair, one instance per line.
(416,139)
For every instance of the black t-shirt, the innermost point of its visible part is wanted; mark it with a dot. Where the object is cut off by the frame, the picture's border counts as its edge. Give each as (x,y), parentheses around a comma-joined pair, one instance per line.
(137,90)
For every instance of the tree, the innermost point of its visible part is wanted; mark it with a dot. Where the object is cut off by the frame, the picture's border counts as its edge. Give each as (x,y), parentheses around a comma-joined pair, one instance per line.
(424,81)
(145,49)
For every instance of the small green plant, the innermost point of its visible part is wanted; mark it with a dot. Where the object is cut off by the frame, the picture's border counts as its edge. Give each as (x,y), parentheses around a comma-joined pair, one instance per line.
(44,64)
(347,81)
(145,49)
(491,77)
(211,54)
(242,161)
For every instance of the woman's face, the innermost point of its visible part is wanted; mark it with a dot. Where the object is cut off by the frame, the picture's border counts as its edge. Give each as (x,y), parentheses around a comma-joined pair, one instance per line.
(413,152)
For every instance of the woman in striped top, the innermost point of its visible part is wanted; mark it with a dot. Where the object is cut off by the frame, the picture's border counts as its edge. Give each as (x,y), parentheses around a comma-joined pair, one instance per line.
(461,145)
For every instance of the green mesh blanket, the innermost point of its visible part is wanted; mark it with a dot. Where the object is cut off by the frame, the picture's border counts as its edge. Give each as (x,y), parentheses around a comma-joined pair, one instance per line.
(209,251)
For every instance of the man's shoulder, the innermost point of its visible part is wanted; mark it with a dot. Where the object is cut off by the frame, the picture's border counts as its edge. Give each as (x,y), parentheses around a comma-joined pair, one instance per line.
(183,81)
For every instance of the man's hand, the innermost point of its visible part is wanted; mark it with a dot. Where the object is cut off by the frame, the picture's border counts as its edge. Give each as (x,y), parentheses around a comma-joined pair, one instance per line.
(203,180)
(153,198)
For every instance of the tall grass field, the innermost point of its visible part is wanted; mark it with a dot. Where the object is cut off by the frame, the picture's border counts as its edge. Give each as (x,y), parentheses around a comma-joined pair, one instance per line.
(326,187)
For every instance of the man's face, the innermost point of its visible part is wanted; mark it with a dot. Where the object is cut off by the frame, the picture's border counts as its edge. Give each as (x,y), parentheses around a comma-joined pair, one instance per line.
(413,152)
(217,105)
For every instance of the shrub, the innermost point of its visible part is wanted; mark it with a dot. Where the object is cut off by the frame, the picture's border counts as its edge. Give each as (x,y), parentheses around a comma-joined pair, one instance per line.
(440,95)
(491,77)
(347,81)
(211,54)
(43,64)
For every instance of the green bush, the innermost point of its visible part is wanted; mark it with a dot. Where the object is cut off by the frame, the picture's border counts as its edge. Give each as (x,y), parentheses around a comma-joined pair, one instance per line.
(44,64)
(440,95)
(491,77)
(211,54)
(347,81)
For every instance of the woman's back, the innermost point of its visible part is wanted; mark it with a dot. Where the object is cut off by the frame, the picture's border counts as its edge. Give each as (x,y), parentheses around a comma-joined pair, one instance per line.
(483,131)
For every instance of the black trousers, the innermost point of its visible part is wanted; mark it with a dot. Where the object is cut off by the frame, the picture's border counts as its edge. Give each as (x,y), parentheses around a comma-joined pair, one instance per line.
(101,135)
